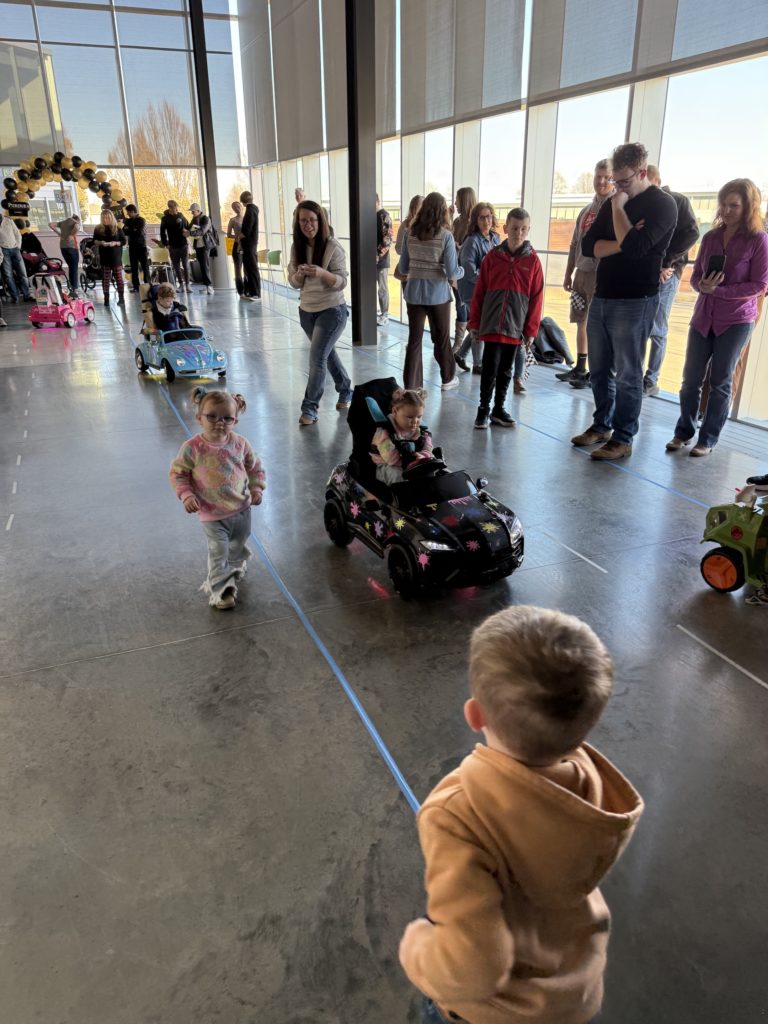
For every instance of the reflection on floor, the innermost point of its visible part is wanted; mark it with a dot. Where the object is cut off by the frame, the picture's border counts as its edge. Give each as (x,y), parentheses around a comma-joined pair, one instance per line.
(198,826)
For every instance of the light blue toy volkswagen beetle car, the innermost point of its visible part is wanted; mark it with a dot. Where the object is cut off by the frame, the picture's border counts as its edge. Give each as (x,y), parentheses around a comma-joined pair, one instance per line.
(184,352)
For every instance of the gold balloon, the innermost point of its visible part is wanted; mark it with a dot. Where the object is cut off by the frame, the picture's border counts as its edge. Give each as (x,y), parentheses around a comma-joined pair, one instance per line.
(47,175)
(82,183)
(91,165)
(101,176)
(66,163)
(117,195)
(26,165)
(76,174)
(48,157)
(114,183)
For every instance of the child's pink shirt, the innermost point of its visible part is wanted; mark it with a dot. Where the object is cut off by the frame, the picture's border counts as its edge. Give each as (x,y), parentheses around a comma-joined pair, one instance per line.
(221,476)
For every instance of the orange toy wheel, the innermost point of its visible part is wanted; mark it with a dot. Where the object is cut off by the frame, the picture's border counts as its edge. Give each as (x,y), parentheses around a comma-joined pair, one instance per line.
(723,569)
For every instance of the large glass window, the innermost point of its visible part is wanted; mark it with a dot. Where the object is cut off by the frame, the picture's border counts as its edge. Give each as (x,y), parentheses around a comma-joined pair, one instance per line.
(160,109)
(150,30)
(70,25)
(741,151)
(228,136)
(17,22)
(97,135)
(24,121)
(232,182)
(155,187)
(218,34)
(502,144)
(438,162)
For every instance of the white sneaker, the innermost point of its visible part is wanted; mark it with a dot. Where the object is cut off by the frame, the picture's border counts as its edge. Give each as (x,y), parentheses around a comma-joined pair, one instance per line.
(2,322)
(245,298)
(210,289)
(227,599)
(382,320)
(450,385)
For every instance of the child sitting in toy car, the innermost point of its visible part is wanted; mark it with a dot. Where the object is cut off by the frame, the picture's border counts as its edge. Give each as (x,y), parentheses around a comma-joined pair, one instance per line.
(167,313)
(403,444)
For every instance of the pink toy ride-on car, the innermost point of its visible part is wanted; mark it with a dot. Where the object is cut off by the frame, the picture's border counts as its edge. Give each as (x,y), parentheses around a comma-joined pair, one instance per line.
(59,309)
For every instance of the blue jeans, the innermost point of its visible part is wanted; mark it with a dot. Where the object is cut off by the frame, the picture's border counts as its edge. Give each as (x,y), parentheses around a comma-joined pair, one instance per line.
(228,552)
(470,341)
(323,330)
(431,1015)
(723,351)
(72,259)
(617,332)
(658,338)
(12,261)
(462,308)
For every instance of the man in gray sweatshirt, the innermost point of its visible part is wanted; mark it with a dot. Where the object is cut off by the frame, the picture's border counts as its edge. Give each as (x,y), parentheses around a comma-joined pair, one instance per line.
(580,272)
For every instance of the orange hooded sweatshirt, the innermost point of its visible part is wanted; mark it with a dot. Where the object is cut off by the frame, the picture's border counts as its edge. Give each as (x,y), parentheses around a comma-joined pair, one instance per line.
(513,856)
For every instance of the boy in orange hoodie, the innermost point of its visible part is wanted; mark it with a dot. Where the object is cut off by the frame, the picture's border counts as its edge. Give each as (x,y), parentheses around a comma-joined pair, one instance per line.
(518,837)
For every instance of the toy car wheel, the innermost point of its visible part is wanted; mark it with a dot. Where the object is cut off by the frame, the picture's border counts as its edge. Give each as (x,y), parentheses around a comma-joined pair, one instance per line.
(36,323)
(90,316)
(70,321)
(401,566)
(723,569)
(336,523)
(169,372)
(141,365)
(222,373)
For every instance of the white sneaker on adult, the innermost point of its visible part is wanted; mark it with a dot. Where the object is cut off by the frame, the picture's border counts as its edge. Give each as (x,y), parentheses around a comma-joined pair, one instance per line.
(210,289)
(2,322)
(450,384)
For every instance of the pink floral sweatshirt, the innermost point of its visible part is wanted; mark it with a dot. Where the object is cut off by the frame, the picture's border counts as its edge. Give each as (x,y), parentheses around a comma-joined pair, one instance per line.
(221,476)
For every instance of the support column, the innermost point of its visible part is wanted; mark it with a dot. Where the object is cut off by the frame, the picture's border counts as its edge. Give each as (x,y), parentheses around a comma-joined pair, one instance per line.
(361,130)
(219,274)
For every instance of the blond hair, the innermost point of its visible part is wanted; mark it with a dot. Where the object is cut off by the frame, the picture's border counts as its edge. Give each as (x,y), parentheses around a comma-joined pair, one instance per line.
(416,397)
(542,679)
(202,396)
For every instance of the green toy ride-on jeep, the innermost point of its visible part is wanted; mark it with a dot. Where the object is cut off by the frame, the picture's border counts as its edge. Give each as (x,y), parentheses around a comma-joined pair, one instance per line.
(741,531)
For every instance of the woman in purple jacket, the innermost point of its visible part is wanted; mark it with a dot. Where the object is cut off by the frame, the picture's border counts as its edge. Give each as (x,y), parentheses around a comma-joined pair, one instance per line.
(725,310)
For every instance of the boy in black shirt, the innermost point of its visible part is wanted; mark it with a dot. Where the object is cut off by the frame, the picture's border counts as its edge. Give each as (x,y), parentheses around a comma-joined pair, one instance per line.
(629,236)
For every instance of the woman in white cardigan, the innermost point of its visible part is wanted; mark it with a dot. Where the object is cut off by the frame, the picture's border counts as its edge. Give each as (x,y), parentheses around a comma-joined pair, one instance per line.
(318,267)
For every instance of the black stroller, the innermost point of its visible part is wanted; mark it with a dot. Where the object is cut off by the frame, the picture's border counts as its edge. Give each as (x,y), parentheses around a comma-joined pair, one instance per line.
(90,266)
(436,529)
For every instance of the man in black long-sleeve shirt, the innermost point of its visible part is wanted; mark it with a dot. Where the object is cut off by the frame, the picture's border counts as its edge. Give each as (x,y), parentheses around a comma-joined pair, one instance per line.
(135,230)
(686,234)
(249,246)
(629,236)
(174,232)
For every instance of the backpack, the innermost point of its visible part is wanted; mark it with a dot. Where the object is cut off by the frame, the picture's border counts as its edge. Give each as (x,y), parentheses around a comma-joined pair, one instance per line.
(214,236)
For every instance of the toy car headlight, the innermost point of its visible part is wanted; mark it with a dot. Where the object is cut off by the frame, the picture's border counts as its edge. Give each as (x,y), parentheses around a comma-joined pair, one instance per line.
(219,357)
(515,530)
(433,545)
(179,362)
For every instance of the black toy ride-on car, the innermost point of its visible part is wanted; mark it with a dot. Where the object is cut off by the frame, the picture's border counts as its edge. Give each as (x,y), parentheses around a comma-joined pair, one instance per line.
(436,529)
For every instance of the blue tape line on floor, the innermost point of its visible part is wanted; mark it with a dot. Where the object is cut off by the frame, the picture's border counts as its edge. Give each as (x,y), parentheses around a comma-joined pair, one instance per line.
(354,700)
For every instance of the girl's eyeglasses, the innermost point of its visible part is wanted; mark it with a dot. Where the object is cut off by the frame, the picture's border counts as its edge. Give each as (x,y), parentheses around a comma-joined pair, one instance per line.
(213,418)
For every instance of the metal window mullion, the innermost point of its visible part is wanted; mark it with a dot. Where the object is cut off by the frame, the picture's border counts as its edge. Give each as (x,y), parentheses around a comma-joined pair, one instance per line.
(123,100)
(46,86)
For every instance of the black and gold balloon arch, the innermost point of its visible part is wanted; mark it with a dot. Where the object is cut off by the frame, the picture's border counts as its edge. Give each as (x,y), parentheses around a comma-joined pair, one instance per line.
(32,174)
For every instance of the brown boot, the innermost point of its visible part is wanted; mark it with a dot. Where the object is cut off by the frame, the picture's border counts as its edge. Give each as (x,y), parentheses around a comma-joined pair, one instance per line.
(611,451)
(590,436)
(460,330)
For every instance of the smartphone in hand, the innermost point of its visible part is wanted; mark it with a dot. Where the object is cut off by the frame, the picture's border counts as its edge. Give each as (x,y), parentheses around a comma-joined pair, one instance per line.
(716,264)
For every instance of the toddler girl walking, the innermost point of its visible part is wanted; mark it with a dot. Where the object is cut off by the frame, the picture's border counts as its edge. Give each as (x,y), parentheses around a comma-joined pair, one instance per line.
(217,475)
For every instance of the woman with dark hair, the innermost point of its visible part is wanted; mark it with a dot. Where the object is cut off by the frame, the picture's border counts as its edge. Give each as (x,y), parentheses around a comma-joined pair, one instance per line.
(466,201)
(482,236)
(429,263)
(413,208)
(110,240)
(730,273)
(383,244)
(318,268)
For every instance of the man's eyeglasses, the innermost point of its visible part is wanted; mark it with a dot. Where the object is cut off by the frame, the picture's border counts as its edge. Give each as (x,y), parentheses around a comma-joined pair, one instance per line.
(213,418)
(623,182)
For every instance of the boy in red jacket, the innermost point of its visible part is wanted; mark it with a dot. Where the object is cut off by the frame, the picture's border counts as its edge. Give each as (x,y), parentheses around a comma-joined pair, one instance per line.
(505,313)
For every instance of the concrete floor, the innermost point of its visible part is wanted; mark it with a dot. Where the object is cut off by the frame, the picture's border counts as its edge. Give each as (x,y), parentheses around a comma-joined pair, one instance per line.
(196,825)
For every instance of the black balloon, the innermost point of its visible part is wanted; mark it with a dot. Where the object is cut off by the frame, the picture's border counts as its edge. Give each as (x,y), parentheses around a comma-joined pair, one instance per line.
(36,175)
(11,195)
(30,193)
(21,223)
(76,161)
(4,203)
(56,168)
(58,157)
(89,174)
(9,182)
(27,224)
(93,186)
(40,163)
(23,175)
(122,203)
(65,174)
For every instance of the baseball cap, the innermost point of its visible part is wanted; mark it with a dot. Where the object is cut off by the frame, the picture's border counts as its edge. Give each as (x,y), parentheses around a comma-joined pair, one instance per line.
(194,208)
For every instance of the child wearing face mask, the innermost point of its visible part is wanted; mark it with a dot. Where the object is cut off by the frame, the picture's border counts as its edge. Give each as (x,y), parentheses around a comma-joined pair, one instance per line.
(167,313)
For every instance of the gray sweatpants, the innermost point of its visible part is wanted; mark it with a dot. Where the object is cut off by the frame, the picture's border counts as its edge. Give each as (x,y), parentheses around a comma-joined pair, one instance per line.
(228,553)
